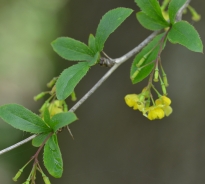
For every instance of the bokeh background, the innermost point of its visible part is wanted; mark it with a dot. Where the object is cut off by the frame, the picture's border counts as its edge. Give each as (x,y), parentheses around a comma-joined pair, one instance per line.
(113,144)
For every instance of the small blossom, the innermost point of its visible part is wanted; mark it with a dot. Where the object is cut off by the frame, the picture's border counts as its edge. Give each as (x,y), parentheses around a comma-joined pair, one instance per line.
(135,101)
(167,110)
(55,108)
(131,100)
(155,113)
(163,100)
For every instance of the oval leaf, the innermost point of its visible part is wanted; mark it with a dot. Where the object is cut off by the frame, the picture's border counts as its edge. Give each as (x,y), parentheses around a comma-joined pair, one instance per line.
(38,140)
(91,43)
(69,78)
(148,22)
(174,7)
(152,9)
(71,49)
(23,119)
(109,22)
(145,71)
(62,119)
(185,34)
(46,116)
(52,157)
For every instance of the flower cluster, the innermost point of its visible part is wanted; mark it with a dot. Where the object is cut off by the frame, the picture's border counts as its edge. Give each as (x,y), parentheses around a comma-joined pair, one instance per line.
(54,107)
(160,108)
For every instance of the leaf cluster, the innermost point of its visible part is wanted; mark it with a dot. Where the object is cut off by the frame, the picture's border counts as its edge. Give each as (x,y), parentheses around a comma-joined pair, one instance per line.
(74,50)
(151,17)
(21,118)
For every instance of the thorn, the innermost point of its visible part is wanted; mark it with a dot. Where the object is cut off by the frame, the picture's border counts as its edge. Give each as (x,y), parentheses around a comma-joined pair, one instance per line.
(107,56)
(70,132)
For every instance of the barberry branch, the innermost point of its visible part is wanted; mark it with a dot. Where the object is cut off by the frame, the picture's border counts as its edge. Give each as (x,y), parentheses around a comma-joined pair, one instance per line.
(117,62)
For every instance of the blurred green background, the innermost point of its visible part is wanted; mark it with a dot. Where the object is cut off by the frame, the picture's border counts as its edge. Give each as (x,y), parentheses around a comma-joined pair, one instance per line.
(113,144)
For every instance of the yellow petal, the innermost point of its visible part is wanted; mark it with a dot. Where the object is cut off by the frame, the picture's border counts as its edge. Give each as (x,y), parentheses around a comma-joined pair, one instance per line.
(167,110)
(165,100)
(156,113)
(131,100)
(158,102)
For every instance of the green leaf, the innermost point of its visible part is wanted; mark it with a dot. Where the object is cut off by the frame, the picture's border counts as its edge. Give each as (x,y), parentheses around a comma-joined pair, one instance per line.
(91,43)
(109,22)
(185,34)
(46,116)
(149,22)
(52,157)
(62,119)
(152,9)
(23,119)
(94,60)
(69,78)
(71,49)
(174,7)
(152,47)
(38,140)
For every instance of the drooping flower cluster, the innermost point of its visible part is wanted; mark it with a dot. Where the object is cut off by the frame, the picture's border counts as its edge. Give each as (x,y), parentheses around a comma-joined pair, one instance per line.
(160,108)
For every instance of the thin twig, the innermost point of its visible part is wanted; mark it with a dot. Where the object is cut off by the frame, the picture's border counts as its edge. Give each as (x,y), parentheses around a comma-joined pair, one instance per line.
(17,144)
(180,12)
(118,62)
(136,49)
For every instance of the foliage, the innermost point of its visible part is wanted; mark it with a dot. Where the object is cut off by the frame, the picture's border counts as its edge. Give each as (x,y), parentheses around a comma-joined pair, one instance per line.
(54,115)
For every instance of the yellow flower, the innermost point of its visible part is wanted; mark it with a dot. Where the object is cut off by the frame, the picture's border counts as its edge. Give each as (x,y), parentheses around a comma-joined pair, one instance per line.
(167,110)
(55,108)
(163,100)
(155,113)
(131,100)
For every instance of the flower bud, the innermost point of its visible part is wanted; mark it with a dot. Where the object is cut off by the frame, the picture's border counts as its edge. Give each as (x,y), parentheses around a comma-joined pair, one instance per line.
(53,90)
(27,181)
(141,97)
(195,16)
(52,82)
(164,90)
(146,92)
(156,75)
(165,15)
(39,96)
(46,180)
(65,107)
(73,96)
(44,106)
(165,80)
(18,174)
